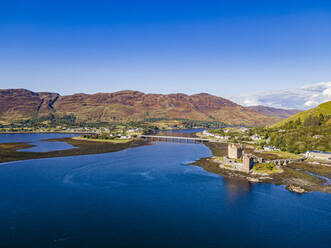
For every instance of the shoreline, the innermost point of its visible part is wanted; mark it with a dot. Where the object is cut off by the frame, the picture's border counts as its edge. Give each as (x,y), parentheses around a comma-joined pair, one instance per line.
(31,132)
(296,177)
(113,141)
(9,153)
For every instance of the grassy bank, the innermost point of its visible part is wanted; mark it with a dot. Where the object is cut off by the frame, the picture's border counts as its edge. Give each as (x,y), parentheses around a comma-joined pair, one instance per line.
(114,141)
(266,168)
(282,154)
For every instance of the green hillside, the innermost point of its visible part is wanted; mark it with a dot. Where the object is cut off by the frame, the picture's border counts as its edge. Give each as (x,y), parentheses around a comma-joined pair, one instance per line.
(304,131)
(324,109)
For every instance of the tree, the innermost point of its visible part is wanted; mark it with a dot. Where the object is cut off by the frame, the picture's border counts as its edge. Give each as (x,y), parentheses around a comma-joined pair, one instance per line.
(298,122)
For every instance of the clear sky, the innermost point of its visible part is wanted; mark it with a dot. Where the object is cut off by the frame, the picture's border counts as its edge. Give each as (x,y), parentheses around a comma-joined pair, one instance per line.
(221,47)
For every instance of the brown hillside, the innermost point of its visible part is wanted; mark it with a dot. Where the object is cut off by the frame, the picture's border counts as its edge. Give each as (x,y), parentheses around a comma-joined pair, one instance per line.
(125,106)
(18,104)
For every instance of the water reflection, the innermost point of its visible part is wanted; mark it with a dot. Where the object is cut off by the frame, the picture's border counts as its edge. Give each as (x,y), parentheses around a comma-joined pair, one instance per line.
(145,197)
(47,146)
(39,140)
(236,189)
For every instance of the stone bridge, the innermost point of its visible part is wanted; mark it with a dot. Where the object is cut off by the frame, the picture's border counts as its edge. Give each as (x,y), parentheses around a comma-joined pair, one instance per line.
(174,139)
(286,161)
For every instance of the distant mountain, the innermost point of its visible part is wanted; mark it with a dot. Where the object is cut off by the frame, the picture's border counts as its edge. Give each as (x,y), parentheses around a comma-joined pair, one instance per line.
(18,104)
(274,112)
(324,108)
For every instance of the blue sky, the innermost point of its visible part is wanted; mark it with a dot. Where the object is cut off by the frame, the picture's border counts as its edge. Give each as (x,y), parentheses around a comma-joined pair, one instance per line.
(219,47)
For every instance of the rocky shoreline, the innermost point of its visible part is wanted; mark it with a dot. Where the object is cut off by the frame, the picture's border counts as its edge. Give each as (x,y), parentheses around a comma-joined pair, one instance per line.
(297,177)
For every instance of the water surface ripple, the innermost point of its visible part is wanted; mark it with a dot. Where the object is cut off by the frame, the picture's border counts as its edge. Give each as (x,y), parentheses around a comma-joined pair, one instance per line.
(148,197)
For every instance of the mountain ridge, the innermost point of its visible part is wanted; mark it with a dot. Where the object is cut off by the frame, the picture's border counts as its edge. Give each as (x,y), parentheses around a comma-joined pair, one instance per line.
(274,112)
(126,105)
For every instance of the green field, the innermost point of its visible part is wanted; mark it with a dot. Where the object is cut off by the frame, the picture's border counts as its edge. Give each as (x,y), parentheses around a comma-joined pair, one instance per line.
(116,141)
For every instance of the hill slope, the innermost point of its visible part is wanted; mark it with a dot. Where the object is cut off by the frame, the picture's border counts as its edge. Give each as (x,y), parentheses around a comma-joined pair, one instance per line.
(18,104)
(305,131)
(324,108)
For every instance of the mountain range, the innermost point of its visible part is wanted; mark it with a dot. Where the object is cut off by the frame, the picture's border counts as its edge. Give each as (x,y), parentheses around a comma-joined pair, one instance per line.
(20,104)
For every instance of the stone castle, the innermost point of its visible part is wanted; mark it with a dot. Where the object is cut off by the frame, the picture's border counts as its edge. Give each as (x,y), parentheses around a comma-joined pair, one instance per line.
(235,153)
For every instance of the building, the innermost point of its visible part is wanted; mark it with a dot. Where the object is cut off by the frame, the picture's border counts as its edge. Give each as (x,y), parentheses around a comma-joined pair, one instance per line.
(243,129)
(248,162)
(133,130)
(125,137)
(235,151)
(216,136)
(318,155)
(270,148)
(206,133)
(256,137)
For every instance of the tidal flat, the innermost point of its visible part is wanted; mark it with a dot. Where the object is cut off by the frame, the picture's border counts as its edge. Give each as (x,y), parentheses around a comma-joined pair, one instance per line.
(10,151)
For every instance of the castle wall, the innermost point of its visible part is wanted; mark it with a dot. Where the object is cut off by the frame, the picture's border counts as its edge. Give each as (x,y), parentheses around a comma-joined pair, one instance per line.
(235,151)
(248,163)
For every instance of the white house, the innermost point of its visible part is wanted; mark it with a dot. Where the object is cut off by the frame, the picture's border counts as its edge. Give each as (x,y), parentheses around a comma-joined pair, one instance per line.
(206,133)
(243,129)
(134,130)
(125,137)
(319,155)
(270,148)
(256,137)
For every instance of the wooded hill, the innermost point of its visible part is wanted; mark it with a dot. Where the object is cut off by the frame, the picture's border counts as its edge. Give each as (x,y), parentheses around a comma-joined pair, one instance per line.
(308,130)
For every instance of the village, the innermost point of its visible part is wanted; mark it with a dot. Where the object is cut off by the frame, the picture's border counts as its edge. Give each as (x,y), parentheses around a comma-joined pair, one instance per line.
(123,133)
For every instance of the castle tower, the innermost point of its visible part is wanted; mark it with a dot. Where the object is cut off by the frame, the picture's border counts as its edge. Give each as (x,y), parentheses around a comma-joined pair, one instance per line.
(235,151)
(248,162)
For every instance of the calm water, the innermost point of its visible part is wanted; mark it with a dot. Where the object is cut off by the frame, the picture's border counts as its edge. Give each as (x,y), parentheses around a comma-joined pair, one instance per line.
(148,197)
(37,140)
